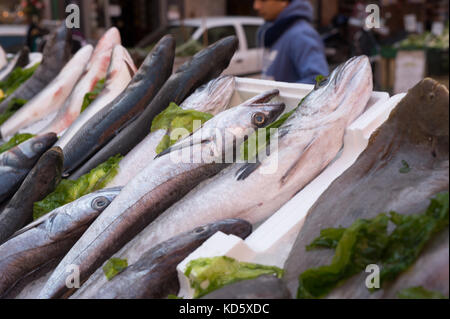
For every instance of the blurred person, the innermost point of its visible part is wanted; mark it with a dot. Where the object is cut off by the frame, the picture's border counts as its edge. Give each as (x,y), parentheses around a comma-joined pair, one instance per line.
(294,51)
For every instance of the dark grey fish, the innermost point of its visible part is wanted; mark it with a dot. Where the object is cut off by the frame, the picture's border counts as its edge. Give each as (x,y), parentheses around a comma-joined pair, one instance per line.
(263,287)
(16,163)
(56,54)
(416,134)
(21,59)
(154,275)
(50,236)
(108,122)
(205,66)
(41,181)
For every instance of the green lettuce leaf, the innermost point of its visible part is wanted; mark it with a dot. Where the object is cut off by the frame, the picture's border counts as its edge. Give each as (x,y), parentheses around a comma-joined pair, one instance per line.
(114,266)
(174,117)
(91,96)
(17,77)
(12,108)
(368,242)
(419,293)
(68,191)
(209,274)
(14,141)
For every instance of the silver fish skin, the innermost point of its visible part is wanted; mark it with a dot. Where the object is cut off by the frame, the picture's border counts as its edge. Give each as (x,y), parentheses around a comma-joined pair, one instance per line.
(51,98)
(50,236)
(155,275)
(96,70)
(158,186)
(120,73)
(211,98)
(3,59)
(16,163)
(307,142)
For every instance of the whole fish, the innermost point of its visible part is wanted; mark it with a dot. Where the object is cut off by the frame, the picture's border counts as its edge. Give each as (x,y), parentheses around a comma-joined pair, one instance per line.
(50,236)
(95,70)
(205,66)
(50,99)
(154,275)
(21,59)
(41,181)
(16,163)
(263,287)
(56,54)
(106,123)
(120,73)
(307,142)
(159,185)
(211,98)
(405,164)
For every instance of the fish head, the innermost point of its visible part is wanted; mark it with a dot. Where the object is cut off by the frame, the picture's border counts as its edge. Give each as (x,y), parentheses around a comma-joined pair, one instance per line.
(237,227)
(212,97)
(100,200)
(352,77)
(106,43)
(37,145)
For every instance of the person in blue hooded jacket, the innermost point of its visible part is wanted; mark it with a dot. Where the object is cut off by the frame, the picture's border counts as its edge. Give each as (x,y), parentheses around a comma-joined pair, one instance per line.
(294,51)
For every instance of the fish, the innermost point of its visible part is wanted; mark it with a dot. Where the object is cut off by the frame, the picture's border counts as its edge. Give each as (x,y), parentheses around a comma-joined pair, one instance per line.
(50,99)
(154,275)
(16,163)
(263,287)
(106,123)
(159,185)
(57,52)
(3,58)
(120,73)
(50,236)
(211,98)
(95,71)
(204,66)
(322,118)
(21,59)
(41,181)
(416,133)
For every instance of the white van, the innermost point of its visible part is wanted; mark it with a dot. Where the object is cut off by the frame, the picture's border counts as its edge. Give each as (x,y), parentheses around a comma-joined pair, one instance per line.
(248,58)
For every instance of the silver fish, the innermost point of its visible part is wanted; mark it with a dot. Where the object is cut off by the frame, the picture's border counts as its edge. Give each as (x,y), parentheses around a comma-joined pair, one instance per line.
(49,100)
(16,163)
(159,185)
(307,142)
(50,236)
(211,98)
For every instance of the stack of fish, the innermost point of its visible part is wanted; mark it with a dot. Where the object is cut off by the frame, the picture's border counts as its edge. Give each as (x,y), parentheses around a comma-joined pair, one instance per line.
(144,200)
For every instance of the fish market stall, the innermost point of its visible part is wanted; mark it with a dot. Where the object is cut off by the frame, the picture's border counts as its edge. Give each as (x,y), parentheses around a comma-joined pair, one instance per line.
(118,182)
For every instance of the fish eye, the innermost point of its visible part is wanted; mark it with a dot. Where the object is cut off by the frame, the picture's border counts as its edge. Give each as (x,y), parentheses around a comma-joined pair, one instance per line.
(259,119)
(200,230)
(38,146)
(100,203)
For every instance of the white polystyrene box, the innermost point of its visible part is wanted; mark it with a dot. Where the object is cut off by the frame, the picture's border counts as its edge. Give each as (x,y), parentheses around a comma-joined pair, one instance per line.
(271,241)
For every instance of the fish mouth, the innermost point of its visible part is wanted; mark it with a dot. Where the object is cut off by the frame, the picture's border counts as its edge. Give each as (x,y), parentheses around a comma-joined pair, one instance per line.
(353,68)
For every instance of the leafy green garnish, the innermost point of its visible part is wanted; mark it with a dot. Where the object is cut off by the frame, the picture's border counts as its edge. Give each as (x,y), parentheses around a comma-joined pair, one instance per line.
(14,141)
(68,191)
(209,274)
(13,106)
(173,297)
(419,293)
(405,169)
(114,266)
(17,77)
(368,242)
(91,96)
(174,117)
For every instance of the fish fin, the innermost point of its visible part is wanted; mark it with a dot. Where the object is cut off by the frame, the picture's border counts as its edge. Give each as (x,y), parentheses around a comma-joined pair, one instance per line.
(179,146)
(246,170)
